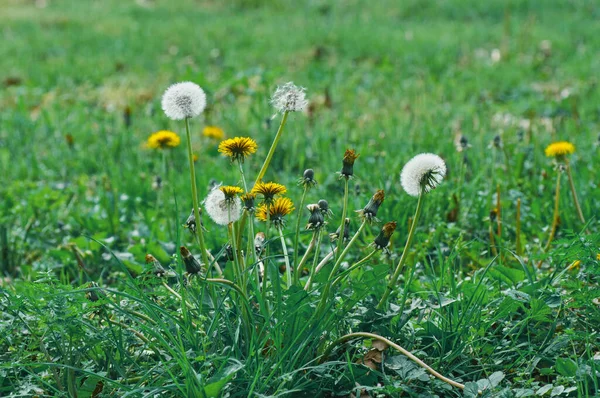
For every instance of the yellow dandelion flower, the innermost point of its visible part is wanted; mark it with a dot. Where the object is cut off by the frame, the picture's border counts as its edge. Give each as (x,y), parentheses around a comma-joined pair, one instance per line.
(561,148)
(231,191)
(280,208)
(269,190)
(163,139)
(248,201)
(598,256)
(213,132)
(238,148)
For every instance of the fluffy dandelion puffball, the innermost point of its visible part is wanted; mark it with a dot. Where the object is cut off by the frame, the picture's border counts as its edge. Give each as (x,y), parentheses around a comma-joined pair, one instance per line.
(238,148)
(221,209)
(560,148)
(280,208)
(163,139)
(423,172)
(213,132)
(183,100)
(289,98)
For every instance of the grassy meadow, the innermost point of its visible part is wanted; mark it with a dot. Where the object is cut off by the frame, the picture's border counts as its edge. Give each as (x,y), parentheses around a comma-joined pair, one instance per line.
(498,290)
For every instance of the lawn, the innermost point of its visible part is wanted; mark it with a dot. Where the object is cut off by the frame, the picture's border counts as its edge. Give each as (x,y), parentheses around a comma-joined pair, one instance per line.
(105,289)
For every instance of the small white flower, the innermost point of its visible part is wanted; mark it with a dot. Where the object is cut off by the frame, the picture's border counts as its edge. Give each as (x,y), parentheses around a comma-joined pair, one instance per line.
(290,98)
(425,171)
(183,100)
(221,210)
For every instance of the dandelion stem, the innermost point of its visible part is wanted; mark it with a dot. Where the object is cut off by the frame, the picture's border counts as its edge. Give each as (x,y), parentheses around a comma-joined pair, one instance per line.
(555,216)
(199,233)
(311,245)
(288,268)
(573,192)
(297,234)
(354,266)
(325,260)
(519,247)
(344,211)
(400,266)
(405,352)
(265,165)
(315,260)
(336,266)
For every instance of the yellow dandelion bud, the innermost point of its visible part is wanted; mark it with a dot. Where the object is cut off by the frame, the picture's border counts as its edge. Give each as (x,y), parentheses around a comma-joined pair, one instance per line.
(163,139)
(598,256)
(561,148)
(213,132)
(574,265)
(238,148)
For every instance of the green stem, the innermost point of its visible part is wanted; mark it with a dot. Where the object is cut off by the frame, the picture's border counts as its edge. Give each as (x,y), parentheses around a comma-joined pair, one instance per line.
(311,245)
(199,233)
(296,236)
(355,266)
(315,261)
(288,268)
(573,192)
(325,294)
(344,211)
(555,216)
(400,266)
(395,346)
(265,165)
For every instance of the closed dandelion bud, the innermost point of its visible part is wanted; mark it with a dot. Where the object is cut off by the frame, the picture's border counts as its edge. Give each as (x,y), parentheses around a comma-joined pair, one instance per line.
(369,213)
(92,295)
(382,240)
(157,268)
(248,201)
(191,221)
(334,236)
(497,142)
(316,219)
(324,206)
(308,179)
(157,183)
(192,265)
(229,253)
(462,143)
(348,163)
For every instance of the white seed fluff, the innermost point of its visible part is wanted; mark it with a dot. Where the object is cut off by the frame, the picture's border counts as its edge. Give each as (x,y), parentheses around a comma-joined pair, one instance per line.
(183,100)
(289,97)
(423,171)
(220,210)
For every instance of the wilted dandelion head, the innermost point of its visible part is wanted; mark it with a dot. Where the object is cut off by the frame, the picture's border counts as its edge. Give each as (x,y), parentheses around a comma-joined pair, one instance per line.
(559,149)
(461,143)
(163,139)
(382,241)
(213,132)
(238,148)
(221,209)
(183,100)
(157,268)
(280,208)
(269,190)
(424,172)
(191,221)
(192,265)
(334,236)
(348,163)
(289,98)
(231,192)
(369,213)
(308,179)
(317,218)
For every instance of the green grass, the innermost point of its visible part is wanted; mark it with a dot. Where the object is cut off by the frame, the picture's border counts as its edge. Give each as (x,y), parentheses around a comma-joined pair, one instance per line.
(390,79)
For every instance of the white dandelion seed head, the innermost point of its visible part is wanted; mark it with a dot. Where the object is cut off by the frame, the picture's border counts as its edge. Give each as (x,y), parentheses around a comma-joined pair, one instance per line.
(425,171)
(289,97)
(220,210)
(183,100)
